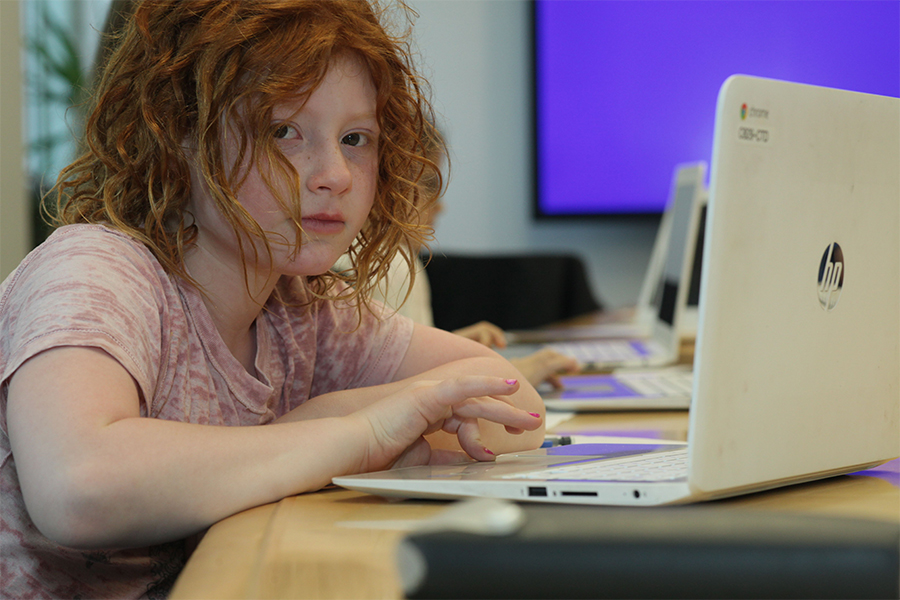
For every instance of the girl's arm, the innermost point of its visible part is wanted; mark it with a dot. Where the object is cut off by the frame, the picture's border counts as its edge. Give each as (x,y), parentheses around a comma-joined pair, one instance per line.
(434,354)
(94,473)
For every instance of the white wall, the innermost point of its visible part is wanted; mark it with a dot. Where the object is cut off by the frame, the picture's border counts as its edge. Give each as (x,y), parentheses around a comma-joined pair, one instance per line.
(476,54)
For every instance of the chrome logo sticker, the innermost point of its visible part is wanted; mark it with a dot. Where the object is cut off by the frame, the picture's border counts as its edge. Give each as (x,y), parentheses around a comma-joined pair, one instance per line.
(831,276)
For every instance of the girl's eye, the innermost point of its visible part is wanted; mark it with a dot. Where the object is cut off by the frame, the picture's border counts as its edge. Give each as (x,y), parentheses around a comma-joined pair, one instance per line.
(285,132)
(355,139)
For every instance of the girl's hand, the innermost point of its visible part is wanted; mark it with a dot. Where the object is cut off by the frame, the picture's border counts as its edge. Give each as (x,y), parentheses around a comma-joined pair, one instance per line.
(546,365)
(484,333)
(398,423)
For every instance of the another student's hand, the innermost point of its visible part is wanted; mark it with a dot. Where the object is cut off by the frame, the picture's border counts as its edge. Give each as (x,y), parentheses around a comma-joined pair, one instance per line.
(398,422)
(545,365)
(484,333)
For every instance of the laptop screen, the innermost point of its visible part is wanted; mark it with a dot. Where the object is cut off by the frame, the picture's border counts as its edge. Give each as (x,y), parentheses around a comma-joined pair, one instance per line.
(666,295)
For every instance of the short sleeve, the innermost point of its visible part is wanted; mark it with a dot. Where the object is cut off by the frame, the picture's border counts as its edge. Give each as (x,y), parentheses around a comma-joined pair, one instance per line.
(85,286)
(348,356)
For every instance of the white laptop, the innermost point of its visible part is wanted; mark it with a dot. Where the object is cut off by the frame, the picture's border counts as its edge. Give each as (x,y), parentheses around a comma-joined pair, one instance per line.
(646,308)
(666,388)
(795,377)
(687,324)
(671,273)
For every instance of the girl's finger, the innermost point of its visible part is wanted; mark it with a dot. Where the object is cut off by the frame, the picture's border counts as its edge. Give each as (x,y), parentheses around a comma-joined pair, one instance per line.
(457,389)
(469,437)
(498,412)
(435,398)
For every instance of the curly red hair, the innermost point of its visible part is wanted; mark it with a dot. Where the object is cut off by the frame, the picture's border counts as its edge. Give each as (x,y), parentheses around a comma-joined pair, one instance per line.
(189,70)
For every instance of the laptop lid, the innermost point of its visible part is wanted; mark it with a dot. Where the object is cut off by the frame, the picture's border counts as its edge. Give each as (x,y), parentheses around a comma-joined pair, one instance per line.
(687,326)
(673,283)
(687,182)
(797,363)
(644,307)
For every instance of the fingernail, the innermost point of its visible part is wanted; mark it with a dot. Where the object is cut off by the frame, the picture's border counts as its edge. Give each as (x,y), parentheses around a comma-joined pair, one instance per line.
(489,452)
(512,381)
(535,415)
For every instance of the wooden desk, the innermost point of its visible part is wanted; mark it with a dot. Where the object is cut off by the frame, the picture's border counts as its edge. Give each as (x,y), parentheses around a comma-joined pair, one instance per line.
(302,547)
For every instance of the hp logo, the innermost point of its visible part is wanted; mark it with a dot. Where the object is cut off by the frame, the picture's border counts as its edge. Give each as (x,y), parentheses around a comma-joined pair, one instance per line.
(831,276)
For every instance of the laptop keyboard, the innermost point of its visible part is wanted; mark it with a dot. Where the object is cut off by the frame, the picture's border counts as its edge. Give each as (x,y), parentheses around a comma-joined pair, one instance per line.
(604,351)
(662,466)
(661,384)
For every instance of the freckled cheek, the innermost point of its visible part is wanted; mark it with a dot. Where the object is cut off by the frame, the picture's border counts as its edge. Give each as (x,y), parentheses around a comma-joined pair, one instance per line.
(370,176)
(366,177)
(257,200)
(370,197)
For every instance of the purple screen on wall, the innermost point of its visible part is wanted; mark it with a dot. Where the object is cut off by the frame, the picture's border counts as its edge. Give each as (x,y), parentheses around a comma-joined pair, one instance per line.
(626,90)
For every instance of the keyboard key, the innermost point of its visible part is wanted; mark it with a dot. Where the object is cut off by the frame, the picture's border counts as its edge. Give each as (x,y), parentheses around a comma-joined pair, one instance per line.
(658,466)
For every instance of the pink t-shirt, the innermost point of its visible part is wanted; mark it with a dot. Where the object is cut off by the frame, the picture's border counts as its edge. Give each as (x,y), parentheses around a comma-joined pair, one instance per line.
(89,285)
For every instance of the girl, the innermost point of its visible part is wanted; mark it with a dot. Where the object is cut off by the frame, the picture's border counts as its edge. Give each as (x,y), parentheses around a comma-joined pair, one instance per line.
(178,351)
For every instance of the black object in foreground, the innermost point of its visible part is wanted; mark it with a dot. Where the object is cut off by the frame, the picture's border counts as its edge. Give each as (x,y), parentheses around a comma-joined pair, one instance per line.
(691,552)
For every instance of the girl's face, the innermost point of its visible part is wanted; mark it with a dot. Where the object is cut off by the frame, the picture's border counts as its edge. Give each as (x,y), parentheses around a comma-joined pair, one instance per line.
(332,142)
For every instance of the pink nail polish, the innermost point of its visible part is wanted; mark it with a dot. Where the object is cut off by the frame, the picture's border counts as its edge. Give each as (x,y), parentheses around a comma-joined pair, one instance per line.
(489,452)
(512,381)
(535,415)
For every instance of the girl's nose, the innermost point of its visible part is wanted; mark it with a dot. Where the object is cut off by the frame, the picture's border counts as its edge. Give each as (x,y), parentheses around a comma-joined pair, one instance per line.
(330,172)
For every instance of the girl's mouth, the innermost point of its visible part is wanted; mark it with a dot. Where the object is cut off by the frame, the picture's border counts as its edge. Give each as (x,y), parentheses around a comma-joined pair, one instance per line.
(322,224)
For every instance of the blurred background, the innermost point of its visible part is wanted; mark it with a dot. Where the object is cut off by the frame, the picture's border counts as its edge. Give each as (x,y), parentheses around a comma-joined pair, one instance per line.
(476,53)
(478,56)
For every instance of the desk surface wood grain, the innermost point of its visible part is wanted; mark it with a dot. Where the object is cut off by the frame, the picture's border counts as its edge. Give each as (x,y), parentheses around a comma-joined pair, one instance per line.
(330,544)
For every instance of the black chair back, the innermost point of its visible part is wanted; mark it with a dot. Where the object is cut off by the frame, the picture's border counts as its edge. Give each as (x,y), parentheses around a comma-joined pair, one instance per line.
(511,291)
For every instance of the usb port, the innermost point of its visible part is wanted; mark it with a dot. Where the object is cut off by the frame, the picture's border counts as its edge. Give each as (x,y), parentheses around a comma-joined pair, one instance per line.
(537,491)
